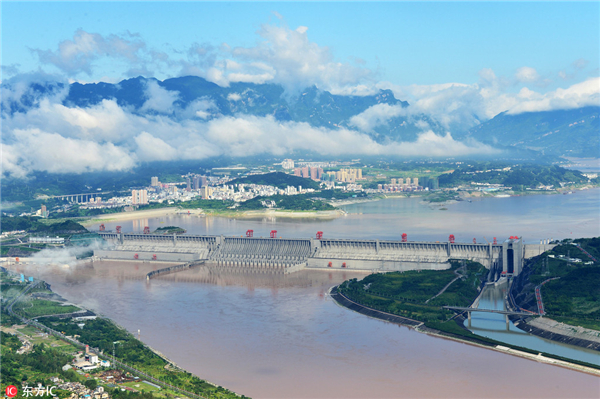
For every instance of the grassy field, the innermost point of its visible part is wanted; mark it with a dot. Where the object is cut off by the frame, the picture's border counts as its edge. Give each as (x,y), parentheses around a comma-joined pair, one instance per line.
(140,386)
(411,294)
(40,307)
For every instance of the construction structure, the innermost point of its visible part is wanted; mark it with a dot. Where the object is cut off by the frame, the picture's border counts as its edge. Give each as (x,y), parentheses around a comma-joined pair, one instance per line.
(287,255)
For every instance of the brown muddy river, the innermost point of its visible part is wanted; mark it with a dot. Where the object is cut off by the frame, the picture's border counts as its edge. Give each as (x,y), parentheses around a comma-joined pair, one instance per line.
(283,337)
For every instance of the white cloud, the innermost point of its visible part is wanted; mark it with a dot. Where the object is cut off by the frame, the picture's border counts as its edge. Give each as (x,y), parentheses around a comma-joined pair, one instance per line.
(458,106)
(150,148)
(376,115)
(79,54)
(527,75)
(60,139)
(101,122)
(282,55)
(159,98)
(35,149)
(582,94)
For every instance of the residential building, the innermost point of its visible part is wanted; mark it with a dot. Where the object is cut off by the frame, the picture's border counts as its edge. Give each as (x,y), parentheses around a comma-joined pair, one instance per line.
(287,164)
(139,197)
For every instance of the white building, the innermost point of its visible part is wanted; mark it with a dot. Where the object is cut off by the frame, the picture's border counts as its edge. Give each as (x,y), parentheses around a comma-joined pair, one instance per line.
(287,164)
(139,197)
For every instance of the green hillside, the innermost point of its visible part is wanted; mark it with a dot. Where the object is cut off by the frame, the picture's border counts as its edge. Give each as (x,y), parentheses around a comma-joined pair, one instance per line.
(562,132)
(518,177)
(277,179)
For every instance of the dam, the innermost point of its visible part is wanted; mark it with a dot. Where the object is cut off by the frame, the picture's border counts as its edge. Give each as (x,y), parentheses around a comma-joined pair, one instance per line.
(288,255)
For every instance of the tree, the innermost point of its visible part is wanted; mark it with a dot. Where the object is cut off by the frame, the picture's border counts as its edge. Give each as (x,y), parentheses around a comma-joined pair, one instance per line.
(91,383)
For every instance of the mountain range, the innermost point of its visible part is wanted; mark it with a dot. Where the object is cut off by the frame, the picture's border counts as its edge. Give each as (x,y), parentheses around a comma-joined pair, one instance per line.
(560,133)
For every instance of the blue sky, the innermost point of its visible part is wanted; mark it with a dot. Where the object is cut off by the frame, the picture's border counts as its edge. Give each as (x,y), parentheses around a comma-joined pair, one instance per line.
(403,43)
(457,64)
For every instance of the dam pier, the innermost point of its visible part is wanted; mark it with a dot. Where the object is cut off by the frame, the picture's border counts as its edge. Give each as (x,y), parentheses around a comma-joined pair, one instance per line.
(289,255)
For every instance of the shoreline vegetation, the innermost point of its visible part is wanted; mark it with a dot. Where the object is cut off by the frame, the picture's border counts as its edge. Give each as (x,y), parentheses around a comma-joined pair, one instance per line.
(415,298)
(433,199)
(52,335)
(475,340)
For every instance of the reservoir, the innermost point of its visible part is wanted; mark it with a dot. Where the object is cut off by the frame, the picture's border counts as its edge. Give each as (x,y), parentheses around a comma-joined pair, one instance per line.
(282,336)
(533,217)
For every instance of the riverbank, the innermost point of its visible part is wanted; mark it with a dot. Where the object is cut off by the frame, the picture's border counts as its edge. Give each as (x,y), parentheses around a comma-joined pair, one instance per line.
(426,197)
(133,215)
(132,354)
(172,211)
(554,331)
(284,214)
(475,340)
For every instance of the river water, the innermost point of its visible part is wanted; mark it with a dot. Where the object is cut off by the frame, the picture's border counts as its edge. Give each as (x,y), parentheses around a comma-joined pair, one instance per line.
(283,337)
(493,325)
(533,217)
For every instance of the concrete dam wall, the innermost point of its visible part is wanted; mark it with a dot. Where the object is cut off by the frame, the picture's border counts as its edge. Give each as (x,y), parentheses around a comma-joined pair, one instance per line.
(286,255)
(378,255)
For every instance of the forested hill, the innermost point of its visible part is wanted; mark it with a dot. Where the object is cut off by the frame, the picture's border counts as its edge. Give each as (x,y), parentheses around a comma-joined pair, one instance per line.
(33,224)
(277,179)
(518,177)
(571,132)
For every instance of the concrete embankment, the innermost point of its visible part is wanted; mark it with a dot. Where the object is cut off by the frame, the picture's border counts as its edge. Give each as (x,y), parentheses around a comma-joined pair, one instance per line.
(172,269)
(347,303)
(521,296)
(420,327)
(574,337)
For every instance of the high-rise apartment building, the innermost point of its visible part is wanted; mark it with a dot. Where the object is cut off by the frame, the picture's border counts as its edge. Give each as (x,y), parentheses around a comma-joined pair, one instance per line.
(206,192)
(316,173)
(154,181)
(348,175)
(139,197)
(287,164)
(416,181)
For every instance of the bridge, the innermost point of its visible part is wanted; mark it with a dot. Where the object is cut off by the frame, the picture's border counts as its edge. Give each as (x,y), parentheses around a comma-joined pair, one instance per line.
(504,312)
(287,255)
(79,198)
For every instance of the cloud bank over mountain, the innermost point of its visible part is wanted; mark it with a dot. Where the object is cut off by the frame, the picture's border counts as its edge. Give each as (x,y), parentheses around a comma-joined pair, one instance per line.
(57,138)
(41,132)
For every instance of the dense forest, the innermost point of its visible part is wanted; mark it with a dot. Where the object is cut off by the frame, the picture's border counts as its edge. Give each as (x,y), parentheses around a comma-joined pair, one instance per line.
(287,202)
(573,296)
(277,179)
(37,225)
(518,177)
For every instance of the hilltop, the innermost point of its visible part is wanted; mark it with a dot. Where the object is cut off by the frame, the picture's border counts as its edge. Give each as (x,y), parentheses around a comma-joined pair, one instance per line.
(277,179)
